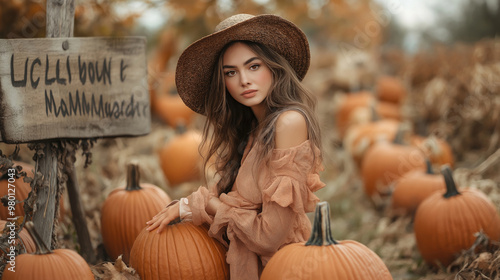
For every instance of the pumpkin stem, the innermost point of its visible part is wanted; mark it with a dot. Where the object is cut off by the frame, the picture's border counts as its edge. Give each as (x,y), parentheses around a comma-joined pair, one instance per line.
(41,247)
(400,135)
(133,177)
(321,234)
(373,111)
(451,188)
(429,166)
(180,127)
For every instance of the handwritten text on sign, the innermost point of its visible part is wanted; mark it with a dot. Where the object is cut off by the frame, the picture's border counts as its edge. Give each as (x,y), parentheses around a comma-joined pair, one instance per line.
(73,88)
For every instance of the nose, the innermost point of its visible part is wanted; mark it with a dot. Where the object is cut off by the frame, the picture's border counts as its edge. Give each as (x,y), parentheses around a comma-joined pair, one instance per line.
(244,79)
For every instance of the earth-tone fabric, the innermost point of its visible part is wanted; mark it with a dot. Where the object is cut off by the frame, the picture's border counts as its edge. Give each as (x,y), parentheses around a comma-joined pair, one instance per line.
(266,208)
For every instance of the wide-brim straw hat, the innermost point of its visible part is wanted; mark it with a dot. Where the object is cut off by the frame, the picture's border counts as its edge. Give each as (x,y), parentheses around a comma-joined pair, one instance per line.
(196,64)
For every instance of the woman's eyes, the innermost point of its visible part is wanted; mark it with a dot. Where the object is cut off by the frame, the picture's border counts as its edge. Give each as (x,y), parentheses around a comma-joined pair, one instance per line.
(230,73)
(252,67)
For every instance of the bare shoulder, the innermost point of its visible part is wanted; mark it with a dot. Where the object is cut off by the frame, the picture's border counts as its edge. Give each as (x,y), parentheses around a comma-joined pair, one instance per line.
(291,129)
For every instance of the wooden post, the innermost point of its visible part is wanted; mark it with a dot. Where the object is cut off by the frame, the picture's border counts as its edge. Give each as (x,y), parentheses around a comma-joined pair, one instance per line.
(60,18)
(60,21)
(78,215)
(47,194)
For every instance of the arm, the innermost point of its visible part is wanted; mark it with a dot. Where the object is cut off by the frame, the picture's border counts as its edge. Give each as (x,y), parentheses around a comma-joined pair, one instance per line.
(263,232)
(212,206)
(171,212)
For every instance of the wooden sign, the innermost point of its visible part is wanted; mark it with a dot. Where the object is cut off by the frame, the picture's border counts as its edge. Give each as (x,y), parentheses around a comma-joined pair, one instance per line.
(73,88)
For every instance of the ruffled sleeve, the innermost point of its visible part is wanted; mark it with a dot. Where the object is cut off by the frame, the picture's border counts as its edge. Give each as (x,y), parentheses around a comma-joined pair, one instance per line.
(262,231)
(291,177)
(198,202)
(295,178)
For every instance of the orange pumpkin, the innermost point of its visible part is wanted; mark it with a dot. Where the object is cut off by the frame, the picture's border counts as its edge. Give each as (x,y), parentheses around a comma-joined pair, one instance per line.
(125,213)
(182,251)
(414,187)
(390,89)
(437,150)
(359,138)
(385,162)
(322,257)
(347,104)
(445,224)
(168,105)
(29,245)
(180,159)
(59,264)
(22,190)
(371,113)
(157,65)
(166,47)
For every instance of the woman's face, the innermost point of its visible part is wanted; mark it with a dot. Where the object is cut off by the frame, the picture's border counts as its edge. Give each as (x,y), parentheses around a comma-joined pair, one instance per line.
(247,78)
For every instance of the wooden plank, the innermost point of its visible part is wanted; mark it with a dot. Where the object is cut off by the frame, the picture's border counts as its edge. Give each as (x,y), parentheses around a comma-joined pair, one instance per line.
(73,88)
(59,18)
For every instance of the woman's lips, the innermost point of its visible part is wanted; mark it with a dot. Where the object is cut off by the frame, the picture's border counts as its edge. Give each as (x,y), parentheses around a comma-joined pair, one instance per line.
(249,93)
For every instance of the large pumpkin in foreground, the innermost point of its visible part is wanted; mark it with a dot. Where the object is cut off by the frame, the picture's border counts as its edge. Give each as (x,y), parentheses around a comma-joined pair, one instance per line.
(321,257)
(126,211)
(182,251)
(59,264)
(445,224)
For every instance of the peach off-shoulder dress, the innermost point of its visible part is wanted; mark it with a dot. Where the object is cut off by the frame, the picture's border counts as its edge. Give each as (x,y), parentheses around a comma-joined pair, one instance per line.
(266,208)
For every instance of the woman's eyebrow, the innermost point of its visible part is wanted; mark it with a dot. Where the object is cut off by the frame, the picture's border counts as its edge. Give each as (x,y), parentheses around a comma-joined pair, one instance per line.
(246,62)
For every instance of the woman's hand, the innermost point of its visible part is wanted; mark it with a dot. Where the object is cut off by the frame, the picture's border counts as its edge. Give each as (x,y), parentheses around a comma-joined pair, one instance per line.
(163,218)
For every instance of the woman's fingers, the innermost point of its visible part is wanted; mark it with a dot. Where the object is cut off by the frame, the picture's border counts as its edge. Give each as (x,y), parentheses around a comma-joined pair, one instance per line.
(163,218)
(163,225)
(152,220)
(155,217)
(153,225)
(156,221)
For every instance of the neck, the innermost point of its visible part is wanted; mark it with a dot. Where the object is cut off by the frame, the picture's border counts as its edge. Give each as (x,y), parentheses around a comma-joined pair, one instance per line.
(259,111)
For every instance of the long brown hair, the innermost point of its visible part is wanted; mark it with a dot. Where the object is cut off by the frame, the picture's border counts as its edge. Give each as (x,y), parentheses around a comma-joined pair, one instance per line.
(230,123)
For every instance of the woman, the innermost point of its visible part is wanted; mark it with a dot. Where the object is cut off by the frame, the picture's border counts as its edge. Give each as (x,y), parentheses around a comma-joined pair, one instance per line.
(261,128)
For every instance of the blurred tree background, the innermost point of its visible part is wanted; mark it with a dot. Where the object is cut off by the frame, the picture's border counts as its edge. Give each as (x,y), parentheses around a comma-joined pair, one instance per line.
(477,20)
(363,23)
(357,34)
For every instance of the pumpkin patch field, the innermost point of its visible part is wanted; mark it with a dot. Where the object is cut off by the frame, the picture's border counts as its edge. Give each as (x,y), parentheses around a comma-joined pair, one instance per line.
(411,156)
(383,183)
